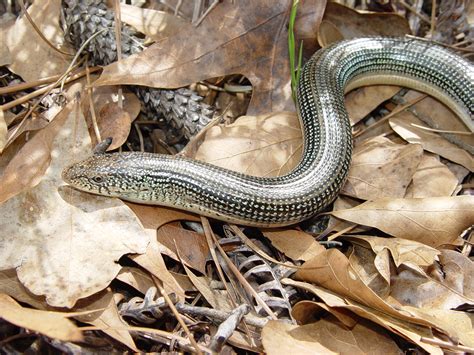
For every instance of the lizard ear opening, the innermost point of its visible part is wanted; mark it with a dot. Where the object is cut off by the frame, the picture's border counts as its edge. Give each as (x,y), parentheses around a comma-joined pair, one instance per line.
(101,148)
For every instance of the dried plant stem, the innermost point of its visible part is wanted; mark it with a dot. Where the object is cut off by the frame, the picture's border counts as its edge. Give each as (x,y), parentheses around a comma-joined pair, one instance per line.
(176,314)
(203,16)
(416,13)
(452,46)
(92,108)
(118,41)
(31,95)
(433,18)
(391,114)
(38,31)
(211,242)
(463,133)
(218,315)
(236,272)
(227,327)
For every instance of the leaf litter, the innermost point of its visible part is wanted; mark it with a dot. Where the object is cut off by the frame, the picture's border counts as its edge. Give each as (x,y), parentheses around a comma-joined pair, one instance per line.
(386,269)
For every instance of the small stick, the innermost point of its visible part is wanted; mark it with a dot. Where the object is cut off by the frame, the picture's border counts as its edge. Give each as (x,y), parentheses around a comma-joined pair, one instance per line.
(463,133)
(38,31)
(176,314)
(218,315)
(433,18)
(209,9)
(413,10)
(27,97)
(227,327)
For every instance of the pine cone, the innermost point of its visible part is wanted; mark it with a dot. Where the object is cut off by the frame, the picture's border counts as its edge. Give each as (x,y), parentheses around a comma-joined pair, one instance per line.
(181,112)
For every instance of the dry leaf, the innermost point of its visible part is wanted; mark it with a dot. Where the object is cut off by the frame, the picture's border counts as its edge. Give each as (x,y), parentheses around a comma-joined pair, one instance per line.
(458,170)
(184,282)
(340,22)
(373,269)
(362,101)
(137,278)
(155,24)
(215,47)
(5,25)
(27,47)
(306,312)
(333,271)
(432,221)
(10,285)
(190,246)
(218,299)
(267,145)
(107,317)
(58,237)
(457,325)
(294,244)
(381,168)
(431,141)
(279,337)
(28,166)
(52,324)
(113,121)
(458,272)
(394,321)
(411,288)
(402,251)
(440,116)
(431,179)
(325,337)
(308,17)
(336,224)
(153,262)
(3,130)
(448,285)
(153,217)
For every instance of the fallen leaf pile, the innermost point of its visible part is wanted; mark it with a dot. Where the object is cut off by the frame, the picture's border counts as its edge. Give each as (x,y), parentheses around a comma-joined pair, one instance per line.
(388,268)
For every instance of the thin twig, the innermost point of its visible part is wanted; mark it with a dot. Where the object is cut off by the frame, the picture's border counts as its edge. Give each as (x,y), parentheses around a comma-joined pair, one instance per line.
(433,18)
(413,10)
(31,95)
(209,9)
(218,315)
(235,271)
(38,31)
(118,43)
(95,125)
(463,133)
(391,114)
(176,314)
(227,327)
(453,47)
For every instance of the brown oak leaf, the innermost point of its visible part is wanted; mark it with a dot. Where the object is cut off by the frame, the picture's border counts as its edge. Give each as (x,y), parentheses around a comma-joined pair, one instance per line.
(238,37)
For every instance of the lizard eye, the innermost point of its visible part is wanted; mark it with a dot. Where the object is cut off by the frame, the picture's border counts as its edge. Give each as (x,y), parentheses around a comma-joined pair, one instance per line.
(98,179)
